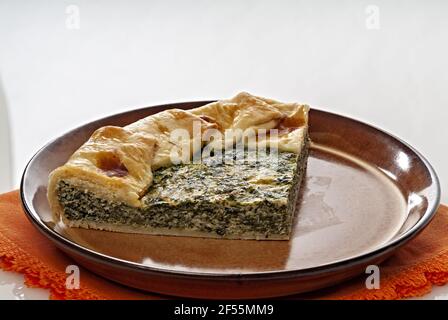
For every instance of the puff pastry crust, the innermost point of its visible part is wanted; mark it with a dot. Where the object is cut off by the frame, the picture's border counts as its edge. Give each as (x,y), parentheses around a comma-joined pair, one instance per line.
(117,163)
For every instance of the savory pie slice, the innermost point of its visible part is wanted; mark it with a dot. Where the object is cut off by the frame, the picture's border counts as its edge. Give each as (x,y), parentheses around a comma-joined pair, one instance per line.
(125,179)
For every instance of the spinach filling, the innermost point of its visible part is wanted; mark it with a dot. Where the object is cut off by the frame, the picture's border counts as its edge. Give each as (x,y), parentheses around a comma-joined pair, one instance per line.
(246,192)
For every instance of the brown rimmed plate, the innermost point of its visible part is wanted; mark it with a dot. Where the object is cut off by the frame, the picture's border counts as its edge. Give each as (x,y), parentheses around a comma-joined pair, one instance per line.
(366,194)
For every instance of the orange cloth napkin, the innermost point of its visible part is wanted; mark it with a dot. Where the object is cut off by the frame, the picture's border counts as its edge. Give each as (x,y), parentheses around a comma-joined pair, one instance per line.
(410,272)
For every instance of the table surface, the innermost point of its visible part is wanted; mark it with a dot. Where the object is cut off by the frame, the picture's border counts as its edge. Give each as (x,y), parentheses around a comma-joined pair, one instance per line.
(12,287)
(383,62)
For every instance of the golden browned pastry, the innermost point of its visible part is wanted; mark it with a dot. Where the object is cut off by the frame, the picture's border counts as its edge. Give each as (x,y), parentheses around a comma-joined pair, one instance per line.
(124,179)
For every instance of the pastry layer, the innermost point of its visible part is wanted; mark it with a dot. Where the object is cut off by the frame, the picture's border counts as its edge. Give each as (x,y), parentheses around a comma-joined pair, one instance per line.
(113,181)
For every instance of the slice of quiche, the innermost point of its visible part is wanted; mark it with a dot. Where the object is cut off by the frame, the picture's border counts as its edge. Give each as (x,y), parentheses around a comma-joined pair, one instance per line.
(143,179)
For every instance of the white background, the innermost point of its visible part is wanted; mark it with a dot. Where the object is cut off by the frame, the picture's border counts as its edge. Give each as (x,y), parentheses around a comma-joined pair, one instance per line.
(129,54)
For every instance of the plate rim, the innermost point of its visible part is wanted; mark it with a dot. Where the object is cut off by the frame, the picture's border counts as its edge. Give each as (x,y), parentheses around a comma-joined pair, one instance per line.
(389,246)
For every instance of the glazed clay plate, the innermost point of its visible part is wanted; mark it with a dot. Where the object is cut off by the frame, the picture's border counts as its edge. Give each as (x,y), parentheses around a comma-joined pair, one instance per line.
(365,193)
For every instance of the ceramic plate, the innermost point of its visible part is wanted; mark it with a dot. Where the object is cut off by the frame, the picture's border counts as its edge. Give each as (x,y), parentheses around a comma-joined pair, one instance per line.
(365,194)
